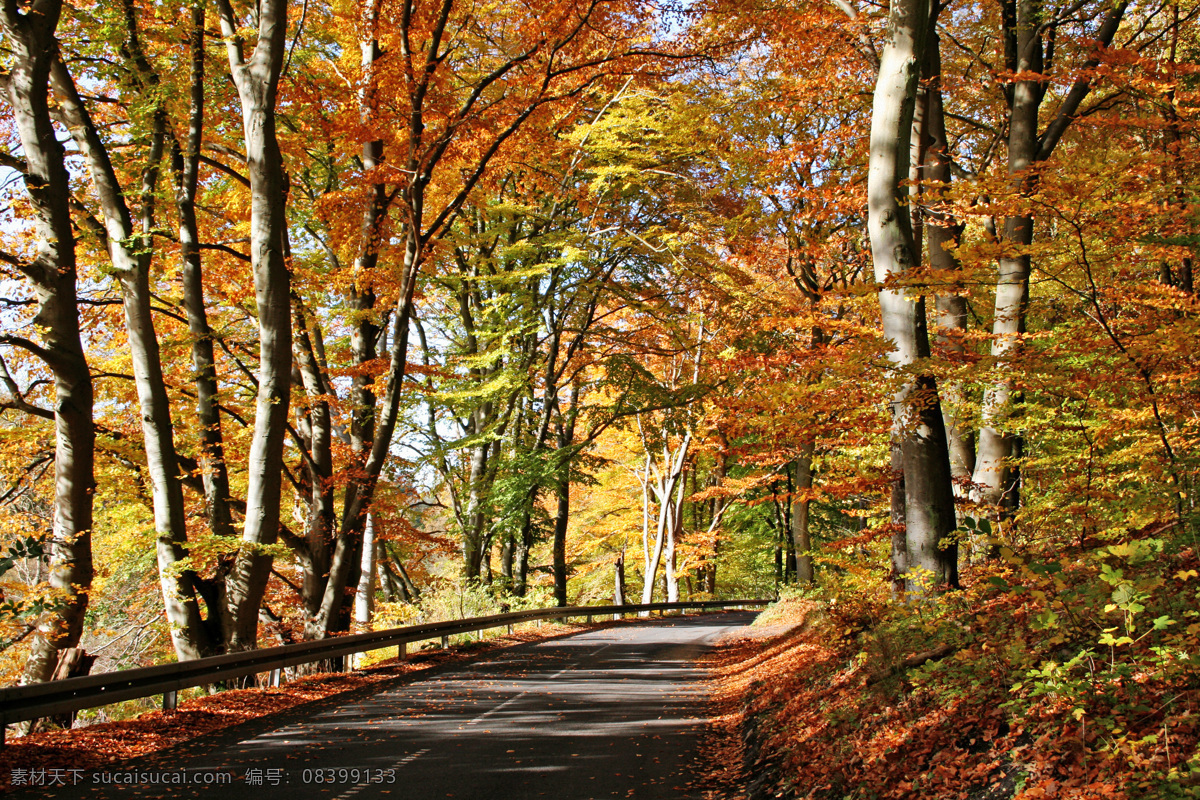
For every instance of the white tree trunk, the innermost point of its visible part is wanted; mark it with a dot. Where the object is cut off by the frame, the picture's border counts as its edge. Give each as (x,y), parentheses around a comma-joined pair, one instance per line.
(929,498)
(257,82)
(29,40)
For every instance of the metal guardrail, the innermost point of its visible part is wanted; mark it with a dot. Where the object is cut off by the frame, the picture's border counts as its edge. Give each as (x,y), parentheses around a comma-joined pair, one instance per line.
(39,700)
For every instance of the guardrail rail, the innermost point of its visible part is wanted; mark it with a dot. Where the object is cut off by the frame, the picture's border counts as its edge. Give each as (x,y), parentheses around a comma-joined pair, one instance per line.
(39,700)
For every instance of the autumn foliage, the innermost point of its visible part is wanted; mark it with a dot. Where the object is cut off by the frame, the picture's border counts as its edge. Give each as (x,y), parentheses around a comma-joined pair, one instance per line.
(320,316)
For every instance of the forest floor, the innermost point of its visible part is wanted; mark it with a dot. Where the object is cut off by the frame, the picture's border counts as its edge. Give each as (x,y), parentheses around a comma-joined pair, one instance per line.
(109,742)
(1029,683)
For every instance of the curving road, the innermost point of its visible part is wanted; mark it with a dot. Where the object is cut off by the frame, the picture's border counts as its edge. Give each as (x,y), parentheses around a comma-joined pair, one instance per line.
(612,713)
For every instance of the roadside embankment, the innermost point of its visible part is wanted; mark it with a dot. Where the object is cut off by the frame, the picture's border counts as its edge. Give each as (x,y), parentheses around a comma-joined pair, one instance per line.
(1064,680)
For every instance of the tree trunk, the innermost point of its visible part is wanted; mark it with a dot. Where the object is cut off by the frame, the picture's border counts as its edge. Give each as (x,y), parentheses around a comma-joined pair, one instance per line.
(619,579)
(1173,143)
(674,536)
(257,82)
(655,554)
(506,564)
(562,515)
(929,499)
(130,255)
(364,597)
(993,468)
(896,518)
(667,490)
(414,593)
(317,551)
(717,515)
(943,231)
(29,38)
(995,472)
(473,521)
(185,161)
(801,540)
(523,547)
(561,520)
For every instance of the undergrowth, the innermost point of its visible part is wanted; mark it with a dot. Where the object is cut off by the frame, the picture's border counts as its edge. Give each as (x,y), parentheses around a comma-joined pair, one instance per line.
(1067,676)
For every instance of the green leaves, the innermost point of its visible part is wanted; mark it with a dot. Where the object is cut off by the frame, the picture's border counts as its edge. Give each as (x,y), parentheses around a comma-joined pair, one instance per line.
(23,549)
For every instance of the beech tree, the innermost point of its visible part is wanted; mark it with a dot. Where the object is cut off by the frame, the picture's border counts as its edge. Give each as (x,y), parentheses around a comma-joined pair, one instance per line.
(929,500)
(30,35)
(1029,54)
(130,251)
(399,300)
(257,82)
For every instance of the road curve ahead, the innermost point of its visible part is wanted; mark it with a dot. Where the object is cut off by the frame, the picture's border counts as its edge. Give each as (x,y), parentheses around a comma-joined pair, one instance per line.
(612,713)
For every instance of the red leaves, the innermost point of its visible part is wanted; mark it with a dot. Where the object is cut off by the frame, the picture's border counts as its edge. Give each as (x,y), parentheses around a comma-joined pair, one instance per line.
(795,701)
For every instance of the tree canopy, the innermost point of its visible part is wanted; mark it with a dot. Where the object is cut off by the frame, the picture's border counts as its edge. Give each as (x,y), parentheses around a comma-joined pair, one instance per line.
(583,300)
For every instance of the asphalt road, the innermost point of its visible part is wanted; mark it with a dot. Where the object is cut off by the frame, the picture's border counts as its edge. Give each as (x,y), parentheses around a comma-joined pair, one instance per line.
(612,713)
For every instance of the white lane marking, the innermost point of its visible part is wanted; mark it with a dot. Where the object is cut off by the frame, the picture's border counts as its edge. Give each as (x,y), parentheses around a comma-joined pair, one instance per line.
(358,787)
(411,758)
(353,790)
(494,710)
(517,697)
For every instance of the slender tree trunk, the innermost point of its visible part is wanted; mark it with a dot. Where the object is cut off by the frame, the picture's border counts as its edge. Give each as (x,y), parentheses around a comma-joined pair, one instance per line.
(719,506)
(655,558)
(801,539)
(506,564)
(389,583)
(562,515)
(472,546)
(995,473)
(364,598)
(619,598)
(1173,140)
(943,231)
(29,39)
(317,550)
(414,593)
(896,518)
(929,499)
(257,82)
(778,551)
(562,519)
(523,547)
(185,161)
(993,468)
(674,537)
(670,578)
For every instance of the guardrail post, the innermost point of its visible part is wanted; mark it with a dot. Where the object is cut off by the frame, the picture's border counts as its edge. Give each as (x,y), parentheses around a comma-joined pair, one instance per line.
(589,619)
(445,642)
(509,626)
(170,700)
(276,677)
(402,651)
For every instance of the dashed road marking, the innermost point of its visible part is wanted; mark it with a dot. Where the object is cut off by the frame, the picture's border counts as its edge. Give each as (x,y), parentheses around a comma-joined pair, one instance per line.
(358,787)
